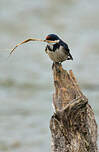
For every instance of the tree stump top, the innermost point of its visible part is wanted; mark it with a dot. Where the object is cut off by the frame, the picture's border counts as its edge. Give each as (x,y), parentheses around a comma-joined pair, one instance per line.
(73,126)
(66,88)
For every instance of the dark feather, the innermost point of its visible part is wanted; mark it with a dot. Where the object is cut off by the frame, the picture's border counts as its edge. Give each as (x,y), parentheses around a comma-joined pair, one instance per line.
(65,46)
(48,47)
(56,46)
(66,49)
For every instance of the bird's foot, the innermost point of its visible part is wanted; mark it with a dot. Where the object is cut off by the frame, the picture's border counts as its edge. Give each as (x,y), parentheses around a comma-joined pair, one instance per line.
(56,65)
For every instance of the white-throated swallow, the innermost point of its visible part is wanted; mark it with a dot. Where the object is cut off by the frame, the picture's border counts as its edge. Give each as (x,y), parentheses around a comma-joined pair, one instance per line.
(58,52)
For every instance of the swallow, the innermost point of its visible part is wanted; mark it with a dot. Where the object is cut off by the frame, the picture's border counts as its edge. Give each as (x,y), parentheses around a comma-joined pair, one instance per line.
(58,51)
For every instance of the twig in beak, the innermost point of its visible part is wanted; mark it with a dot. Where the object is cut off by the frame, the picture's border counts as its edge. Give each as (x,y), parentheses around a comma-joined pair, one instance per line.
(32,39)
(25,41)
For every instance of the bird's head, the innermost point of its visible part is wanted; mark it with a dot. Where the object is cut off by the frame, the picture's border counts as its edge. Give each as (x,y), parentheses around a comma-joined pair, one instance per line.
(52,37)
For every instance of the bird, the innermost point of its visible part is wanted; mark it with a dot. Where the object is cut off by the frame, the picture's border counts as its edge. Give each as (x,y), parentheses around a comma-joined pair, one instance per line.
(58,51)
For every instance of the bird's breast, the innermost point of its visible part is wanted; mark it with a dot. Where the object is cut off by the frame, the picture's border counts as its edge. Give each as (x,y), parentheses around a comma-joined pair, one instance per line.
(57,55)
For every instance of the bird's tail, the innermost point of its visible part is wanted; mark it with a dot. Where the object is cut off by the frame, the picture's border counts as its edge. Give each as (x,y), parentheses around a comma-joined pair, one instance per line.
(70,57)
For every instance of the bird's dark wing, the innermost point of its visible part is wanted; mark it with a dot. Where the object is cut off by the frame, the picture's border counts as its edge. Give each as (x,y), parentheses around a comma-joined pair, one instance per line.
(67,50)
(65,46)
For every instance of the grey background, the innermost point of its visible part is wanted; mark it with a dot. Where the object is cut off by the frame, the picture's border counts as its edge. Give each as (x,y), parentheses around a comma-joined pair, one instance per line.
(26,82)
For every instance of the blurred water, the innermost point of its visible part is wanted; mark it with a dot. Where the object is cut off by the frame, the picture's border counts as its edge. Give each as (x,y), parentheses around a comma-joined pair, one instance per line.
(26,83)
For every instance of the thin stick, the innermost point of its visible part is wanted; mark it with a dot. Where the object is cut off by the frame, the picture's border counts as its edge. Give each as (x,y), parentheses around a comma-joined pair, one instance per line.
(32,39)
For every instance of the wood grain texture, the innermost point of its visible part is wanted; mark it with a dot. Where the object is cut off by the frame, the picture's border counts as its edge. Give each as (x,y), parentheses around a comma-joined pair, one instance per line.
(73,126)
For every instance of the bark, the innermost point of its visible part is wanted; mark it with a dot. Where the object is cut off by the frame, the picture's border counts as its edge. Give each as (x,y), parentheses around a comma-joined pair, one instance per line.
(73,126)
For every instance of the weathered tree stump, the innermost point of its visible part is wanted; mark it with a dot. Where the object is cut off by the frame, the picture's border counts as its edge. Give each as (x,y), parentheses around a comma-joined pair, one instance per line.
(73,126)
